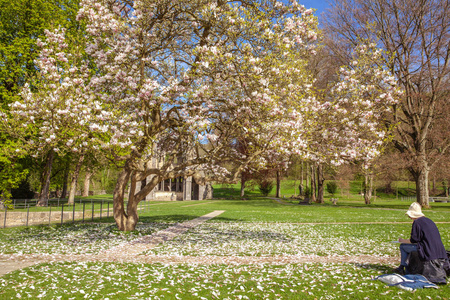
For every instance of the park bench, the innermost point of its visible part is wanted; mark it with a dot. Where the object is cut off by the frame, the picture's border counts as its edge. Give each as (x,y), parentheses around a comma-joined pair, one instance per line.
(167,196)
(439,199)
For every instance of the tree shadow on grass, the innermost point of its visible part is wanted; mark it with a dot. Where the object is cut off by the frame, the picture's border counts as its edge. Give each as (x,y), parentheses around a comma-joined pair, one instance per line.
(172,219)
(211,236)
(86,233)
(384,269)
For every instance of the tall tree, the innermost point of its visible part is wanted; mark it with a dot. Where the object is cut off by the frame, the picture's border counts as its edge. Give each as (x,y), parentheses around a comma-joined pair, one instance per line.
(415,35)
(22,22)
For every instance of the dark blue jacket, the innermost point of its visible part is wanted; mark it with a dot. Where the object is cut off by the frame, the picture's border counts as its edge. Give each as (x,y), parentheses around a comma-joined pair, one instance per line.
(426,235)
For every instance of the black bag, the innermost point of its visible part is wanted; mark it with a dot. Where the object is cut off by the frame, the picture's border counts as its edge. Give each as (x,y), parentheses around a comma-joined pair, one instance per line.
(447,264)
(434,270)
(414,264)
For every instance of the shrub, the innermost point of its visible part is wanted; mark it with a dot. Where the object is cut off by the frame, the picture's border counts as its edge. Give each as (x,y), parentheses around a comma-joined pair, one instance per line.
(265,186)
(307,191)
(331,187)
(23,191)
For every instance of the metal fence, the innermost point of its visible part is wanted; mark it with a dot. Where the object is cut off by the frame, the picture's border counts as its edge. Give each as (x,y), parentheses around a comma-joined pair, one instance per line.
(431,199)
(24,212)
(409,198)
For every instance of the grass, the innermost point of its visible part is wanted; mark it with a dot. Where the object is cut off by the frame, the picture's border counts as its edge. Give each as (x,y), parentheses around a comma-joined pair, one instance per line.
(351,190)
(157,281)
(256,227)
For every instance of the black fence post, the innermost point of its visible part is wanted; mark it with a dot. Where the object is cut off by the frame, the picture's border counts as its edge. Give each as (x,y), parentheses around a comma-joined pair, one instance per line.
(50,215)
(73,213)
(25,205)
(84,205)
(101,207)
(4,222)
(62,213)
(28,212)
(92,211)
(107,212)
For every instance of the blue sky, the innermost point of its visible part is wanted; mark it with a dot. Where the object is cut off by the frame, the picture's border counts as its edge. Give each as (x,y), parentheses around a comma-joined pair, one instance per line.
(320,5)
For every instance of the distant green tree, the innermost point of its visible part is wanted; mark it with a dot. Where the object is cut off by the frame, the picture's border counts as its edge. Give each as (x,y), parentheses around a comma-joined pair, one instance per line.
(22,22)
(265,186)
(332,187)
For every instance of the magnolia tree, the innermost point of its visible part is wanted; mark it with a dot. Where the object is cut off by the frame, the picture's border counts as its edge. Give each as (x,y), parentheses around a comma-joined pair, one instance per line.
(173,78)
(351,127)
(52,116)
(182,79)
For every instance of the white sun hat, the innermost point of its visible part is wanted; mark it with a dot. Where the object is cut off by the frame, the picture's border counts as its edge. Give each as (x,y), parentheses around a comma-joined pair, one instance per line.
(415,211)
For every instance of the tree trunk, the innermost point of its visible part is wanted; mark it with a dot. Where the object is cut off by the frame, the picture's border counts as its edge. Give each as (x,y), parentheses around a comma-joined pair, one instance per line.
(421,177)
(434,185)
(43,196)
(73,184)
(307,177)
(301,182)
(242,186)
(320,181)
(66,178)
(368,187)
(87,181)
(313,184)
(125,221)
(278,192)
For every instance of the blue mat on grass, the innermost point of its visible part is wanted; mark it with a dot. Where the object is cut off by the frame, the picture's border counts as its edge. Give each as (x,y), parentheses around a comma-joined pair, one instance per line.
(407,282)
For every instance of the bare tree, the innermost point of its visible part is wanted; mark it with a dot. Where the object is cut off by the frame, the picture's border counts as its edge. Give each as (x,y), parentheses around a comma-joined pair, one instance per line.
(416,36)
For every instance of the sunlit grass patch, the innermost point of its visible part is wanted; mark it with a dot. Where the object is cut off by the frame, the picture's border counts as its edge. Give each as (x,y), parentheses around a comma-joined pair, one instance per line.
(157,281)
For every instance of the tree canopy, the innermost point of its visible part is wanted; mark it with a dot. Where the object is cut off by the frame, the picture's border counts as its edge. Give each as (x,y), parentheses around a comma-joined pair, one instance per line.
(185,80)
(22,22)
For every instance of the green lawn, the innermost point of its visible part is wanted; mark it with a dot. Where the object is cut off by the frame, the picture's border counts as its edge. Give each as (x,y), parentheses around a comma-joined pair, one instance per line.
(259,228)
(349,191)
(157,281)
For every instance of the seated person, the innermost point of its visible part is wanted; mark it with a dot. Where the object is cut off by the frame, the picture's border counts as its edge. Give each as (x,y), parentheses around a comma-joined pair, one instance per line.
(425,239)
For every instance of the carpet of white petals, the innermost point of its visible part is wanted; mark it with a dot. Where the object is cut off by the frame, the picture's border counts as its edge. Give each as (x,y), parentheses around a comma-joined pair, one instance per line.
(278,239)
(208,243)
